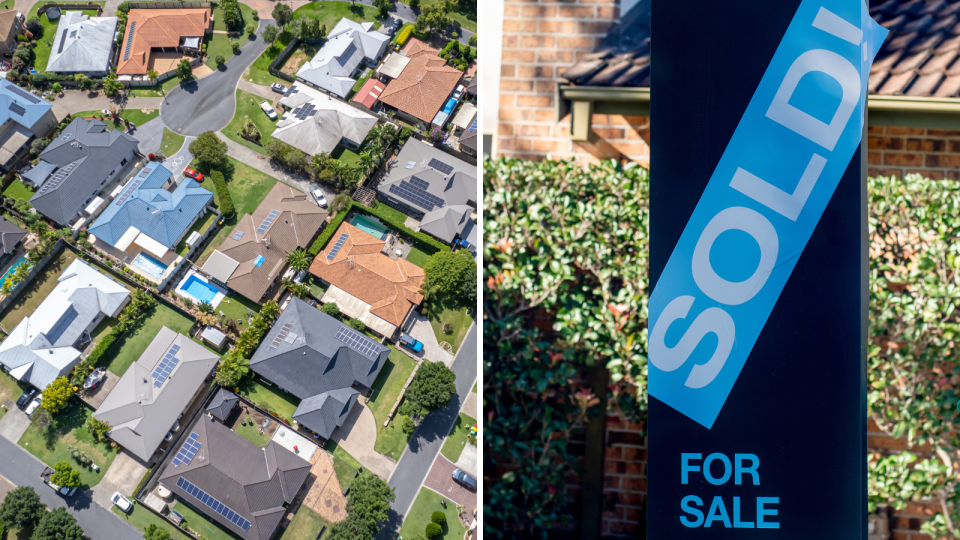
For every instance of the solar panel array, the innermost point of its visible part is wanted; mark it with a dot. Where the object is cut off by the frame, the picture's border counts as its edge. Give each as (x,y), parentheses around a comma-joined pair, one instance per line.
(63,38)
(358,342)
(307,110)
(415,191)
(213,503)
(238,235)
(24,94)
(259,261)
(145,173)
(268,221)
(187,451)
(280,337)
(337,246)
(440,166)
(17,108)
(166,365)
(291,337)
(130,188)
(473,127)
(126,54)
(58,177)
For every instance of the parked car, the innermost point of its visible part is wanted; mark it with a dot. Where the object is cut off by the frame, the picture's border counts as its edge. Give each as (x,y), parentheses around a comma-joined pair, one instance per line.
(45,476)
(33,405)
(121,502)
(278,88)
(265,106)
(464,479)
(458,93)
(192,173)
(392,27)
(25,398)
(410,343)
(318,194)
(96,377)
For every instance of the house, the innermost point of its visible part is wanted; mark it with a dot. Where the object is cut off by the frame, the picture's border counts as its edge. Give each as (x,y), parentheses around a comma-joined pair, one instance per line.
(369,93)
(83,44)
(11,237)
(222,404)
(424,86)
(23,116)
(12,24)
(153,392)
(157,39)
(76,166)
(321,361)
(348,46)
(392,66)
(253,256)
(315,122)
(366,284)
(150,215)
(48,343)
(241,486)
(455,224)
(468,138)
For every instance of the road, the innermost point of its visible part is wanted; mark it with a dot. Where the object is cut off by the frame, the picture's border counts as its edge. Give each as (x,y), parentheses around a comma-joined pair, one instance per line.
(208,104)
(426,442)
(21,468)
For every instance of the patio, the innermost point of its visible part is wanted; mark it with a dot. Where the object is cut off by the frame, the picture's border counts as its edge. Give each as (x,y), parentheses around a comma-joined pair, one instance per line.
(138,259)
(184,289)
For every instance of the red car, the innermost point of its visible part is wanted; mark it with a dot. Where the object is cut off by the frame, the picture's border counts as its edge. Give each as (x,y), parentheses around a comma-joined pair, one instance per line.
(190,173)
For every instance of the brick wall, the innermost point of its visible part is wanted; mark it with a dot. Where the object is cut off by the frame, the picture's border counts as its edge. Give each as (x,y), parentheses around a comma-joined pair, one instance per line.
(898,151)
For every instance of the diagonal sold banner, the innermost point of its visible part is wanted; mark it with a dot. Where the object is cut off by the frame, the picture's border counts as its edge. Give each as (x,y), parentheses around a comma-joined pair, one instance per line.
(762,203)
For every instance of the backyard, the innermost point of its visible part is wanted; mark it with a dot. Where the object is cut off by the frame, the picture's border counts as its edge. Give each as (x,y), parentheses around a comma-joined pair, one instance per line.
(248,107)
(390,438)
(453,446)
(50,445)
(250,431)
(126,350)
(205,526)
(259,71)
(140,518)
(424,506)
(139,117)
(172,142)
(45,39)
(346,156)
(202,224)
(306,525)
(36,291)
(19,190)
(301,55)
(268,398)
(418,257)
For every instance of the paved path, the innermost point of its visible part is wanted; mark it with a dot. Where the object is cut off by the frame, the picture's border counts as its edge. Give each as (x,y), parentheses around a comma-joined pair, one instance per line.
(426,442)
(124,474)
(422,331)
(361,435)
(264,164)
(471,406)
(209,103)
(258,89)
(14,423)
(181,159)
(75,101)
(21,468)
(440,479)
(468,460)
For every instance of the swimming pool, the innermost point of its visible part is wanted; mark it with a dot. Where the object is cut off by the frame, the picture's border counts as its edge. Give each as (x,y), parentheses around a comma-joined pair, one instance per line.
(149,265)
(199,289)
(13,268)
(369,226)
(448,108)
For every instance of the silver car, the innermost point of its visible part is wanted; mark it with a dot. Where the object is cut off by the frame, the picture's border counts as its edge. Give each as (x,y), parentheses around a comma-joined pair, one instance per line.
(318,195)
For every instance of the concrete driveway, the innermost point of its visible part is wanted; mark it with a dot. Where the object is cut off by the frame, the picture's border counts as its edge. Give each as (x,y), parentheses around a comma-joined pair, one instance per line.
(471,405)
(95,398)
(440,479)
(358,435)
(124,474)
(468,459)
(419,327)
(150,136)
(14,423)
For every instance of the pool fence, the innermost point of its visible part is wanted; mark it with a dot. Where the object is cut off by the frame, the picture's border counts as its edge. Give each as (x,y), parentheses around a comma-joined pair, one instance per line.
(25,282)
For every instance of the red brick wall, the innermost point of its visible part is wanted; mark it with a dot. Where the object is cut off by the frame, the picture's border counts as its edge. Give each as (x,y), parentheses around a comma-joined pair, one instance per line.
(898,151)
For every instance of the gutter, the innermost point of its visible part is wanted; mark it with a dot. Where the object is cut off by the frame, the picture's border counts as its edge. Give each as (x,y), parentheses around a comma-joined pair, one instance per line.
(582,102)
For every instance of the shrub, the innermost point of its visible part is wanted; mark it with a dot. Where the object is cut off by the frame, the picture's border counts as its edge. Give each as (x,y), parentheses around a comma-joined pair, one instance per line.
(438,517)
(57,394)
(33,25)
(220,60)
(235,46)
(407,424)
(152,157)
(433,531)
(223,194)
(404,35)
(357,325)
(447,328)
(331,309)
(251,28)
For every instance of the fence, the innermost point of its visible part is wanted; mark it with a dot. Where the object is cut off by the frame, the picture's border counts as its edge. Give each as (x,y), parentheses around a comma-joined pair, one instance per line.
(284,54)
(143,80)
(43,8)
(25,282)
(169,5)
(186,258)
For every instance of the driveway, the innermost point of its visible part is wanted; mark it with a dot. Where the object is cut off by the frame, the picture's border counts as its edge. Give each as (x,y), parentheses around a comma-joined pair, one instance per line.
(95,398)
(14,423)
(357,436)
(440,480)
(471,406)
(74,101)
(209,103)
(21,468)
(124,474)
(266,165)
(468,459)
(420,328)
(150,135)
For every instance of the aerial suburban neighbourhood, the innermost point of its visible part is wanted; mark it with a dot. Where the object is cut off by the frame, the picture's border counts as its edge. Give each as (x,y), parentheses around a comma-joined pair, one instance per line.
(238,249)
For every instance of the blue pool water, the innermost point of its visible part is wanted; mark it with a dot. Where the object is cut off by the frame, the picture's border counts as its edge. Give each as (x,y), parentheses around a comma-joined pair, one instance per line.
(13,268)
(149,265)
(448,108)
(199,289)
(369,226)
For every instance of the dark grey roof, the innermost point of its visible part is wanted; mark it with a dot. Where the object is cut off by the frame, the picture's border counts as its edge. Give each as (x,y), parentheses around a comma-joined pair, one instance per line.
(455,185)
(86,154)
(448,222)
(222,403)
(323,413)
(472,87)
(252,481)
(313,360)
(623,56)
(469,136)
(39,174)
(10,234)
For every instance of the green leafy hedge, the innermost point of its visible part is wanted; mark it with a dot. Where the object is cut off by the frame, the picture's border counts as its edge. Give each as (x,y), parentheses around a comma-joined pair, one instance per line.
(388,215)
(324,237)
(224,200)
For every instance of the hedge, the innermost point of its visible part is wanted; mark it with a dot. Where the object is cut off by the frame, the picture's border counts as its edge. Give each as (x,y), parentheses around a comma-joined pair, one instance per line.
(424,239)
(224,200)
(324,237)
(101,348)
(404,34)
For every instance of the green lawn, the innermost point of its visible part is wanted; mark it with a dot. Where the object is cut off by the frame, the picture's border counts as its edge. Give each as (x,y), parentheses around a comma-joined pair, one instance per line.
(316,287)
(238,307)
(128,348)
(424,506)
(453,446)
(201,523)
(347,156)
(397,33)
(141,518)
(330,13)
(390,439)
(268,398)
(203,223)
(418,257)
(450,311)
(220,44)
(248,107)
(17,221)
(302,54)
(306,525)
(344,464)
(9,388)
(259,71)
(50,446)
(155,90)
(172,142)
(36,291)
(246,14)
(249,432)
(466,17)
(138,116)
(45,39)
(19,190)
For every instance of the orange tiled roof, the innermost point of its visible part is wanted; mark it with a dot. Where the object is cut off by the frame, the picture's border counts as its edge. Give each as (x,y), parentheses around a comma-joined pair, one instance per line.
(415,48)
(391,287)
(158,28)
(422,86)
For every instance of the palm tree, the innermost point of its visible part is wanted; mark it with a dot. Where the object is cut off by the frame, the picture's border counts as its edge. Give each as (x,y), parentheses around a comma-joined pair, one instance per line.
(152,75)
(322,160)
(429,291)
(298,260)
(366,161)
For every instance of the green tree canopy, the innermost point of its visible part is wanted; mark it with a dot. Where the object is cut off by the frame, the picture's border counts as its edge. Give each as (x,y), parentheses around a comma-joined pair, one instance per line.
(57,394)
(21,508)
(184,70)
(367,507)
(231,369)
(282,14)
(429,390)
(298,260)
(209,151)
(64,475)
(155,532)
(447,271)
(270,33)
(58,525)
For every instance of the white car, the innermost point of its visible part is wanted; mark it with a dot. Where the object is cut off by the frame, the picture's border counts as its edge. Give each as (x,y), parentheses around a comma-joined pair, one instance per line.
(121,502)
(34,405)
(265,106)
(318,194)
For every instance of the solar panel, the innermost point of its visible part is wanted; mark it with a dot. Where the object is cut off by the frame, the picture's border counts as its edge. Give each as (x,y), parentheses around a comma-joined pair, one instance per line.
(268,221)
(358,342)
(415,191)
(440,166)
(238,235)
(212,503)
(126,53)
(130,189)
(473,127)
(63,38)
(280,337)
(165,367)
(337,246)
(187,451)
(17,108)
(58,177)
(24,94)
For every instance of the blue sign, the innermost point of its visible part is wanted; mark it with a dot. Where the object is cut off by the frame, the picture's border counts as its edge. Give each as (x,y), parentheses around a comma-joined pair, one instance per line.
(760,207)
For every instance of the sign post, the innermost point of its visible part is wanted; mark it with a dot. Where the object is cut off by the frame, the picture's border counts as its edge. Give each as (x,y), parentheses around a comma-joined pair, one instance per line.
(758,225)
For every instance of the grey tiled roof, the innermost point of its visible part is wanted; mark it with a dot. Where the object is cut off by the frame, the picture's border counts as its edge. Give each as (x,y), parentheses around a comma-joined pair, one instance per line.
(458,187)
(222,403)
(623,56)
(324,412)
(252,481)
(96,153)
(10,234)
(447,222)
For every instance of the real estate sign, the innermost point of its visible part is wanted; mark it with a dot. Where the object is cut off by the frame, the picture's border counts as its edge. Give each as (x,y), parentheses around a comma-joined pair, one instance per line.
(757,336)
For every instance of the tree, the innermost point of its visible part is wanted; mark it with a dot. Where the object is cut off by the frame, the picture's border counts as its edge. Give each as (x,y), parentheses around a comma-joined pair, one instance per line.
(33,25)
(414,4)
(111,86)
(357,325)
(83,82)
(472,40)
(282,14)
(231,369)
(21,508)
(438,517)
(448,270)
(232,16)
(270,33)
(298,260)
(58,525)
(57,89)
(331,309)
(98,428)
(42,419)
(184,70)
(367,506)
(297,289)
(235,45)
(152,75)
(64,475)
(278,149)
(251,29)
(429,390)
(433,531)
(38,145)
(220,60)
(155,532)
(310,28)
(56,395)
(224,200)
(384,7)
(209,151)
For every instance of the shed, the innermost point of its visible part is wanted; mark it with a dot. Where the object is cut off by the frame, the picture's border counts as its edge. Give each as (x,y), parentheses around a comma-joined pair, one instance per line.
(214,337)
(222,404)
(193,238)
